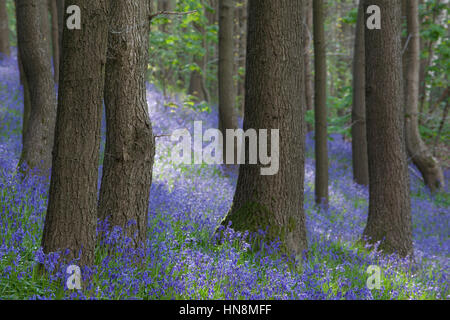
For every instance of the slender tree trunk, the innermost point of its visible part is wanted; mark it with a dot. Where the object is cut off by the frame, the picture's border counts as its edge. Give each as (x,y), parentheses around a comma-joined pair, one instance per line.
(320,98)
(130,145)
(71,217)
(196,82)
(55,38)
(242,46)
(4,29)
(35,59)
(309,88)
(420,154)
(359,138)
(44,22)
(389,219)
(26,97)
(227,114)
(274,100)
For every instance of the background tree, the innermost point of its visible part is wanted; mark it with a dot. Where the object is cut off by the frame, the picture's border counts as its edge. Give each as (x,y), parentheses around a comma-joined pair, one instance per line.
(320,104)
(72,206)
(389,219)
(308,30)
(420,155)
(130,146)
(4,29)
(35,59)
(227,114)
(359,138)
(274,100)
(55,37)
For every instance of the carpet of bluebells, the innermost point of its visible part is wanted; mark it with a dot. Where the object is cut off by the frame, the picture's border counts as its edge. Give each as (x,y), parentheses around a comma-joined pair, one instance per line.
(183,259)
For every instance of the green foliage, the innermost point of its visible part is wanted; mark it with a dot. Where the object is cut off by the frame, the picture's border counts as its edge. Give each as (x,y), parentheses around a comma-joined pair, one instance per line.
(177,45)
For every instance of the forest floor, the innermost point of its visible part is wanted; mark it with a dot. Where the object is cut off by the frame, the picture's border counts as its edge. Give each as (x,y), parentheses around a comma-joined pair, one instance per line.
(183,260)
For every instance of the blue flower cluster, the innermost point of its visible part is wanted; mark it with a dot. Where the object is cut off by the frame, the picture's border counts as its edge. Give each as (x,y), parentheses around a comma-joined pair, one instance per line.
(183,258)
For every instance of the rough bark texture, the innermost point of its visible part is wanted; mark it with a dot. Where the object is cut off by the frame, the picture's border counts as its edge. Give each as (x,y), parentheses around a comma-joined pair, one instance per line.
(227,114)
(72,207)
(421,156)
(359,138)
(130,146)
(320,107)
(389,219)
(274,100)
(55,38)
(309,87)
(35,58)
(4,29)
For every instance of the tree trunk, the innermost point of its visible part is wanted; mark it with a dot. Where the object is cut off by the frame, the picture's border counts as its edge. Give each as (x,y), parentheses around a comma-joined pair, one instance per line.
(389,219)
(130,145)
(55,38)
(359,138)
(242,46)
(35,58)
(72,206)
(227,114)
(26,96)
(421,156)
(4,29)
(274,100)
(61,25)
(309,88)
(320,98)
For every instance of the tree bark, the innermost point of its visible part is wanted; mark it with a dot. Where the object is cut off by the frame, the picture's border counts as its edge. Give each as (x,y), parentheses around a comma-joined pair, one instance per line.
(421,156)
(35,58)
(61,25)
(274,100)
(130,145)
(55,38)
(359,138)
(309,88)
(389,219)
(320,98)
(227,114)
(4,29)
(72,206)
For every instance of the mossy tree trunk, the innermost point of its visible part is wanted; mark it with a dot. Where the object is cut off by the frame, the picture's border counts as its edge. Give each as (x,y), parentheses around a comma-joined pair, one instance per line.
(274,100)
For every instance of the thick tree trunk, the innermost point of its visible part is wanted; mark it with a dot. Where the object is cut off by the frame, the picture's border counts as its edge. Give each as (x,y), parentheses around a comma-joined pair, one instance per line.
(320,99)
(359,138)
(35,58)
(4,29)
(389,219)
(421,156)
(130,145)
(274,100)
(55,38)
(72,206)
(309,87)
(227,114)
